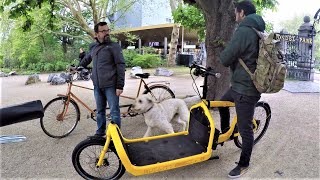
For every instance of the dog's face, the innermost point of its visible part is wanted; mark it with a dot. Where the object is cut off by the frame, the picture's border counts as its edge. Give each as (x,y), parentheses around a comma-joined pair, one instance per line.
(142,103)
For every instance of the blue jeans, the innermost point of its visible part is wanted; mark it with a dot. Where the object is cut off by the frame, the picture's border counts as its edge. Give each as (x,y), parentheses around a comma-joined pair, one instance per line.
(104,96)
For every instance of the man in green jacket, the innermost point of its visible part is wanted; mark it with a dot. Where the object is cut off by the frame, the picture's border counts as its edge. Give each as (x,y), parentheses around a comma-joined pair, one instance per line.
(244,44)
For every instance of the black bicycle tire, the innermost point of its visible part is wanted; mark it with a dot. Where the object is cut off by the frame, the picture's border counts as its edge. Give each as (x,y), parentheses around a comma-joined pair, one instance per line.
(73,127)
(267,110)
(160,87)
(86,78)
(89,142)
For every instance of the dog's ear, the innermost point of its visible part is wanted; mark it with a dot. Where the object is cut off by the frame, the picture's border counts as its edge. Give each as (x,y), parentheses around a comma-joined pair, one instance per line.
(149,100)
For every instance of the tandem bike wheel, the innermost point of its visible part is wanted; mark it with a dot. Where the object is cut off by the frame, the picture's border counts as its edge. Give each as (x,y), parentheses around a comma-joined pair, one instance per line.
(160,92)
(86,155)
(262,115)
(55,123)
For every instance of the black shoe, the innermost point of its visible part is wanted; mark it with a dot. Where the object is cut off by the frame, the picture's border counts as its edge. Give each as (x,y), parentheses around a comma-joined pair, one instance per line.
(98,136)
(237,172)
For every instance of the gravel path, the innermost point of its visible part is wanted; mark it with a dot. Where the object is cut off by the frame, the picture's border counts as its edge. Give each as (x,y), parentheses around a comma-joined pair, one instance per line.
(289,149)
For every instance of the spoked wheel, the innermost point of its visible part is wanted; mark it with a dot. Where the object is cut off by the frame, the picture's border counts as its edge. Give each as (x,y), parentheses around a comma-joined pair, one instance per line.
(86,155)
(86,77)
(55,123)
(160,92)
(262,116)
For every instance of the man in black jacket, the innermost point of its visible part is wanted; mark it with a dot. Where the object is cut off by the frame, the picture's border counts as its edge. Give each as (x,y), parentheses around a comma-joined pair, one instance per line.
(244,44)
(108,74)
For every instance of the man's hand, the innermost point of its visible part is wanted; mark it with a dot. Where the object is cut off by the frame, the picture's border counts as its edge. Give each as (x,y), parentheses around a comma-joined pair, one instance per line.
(118,92)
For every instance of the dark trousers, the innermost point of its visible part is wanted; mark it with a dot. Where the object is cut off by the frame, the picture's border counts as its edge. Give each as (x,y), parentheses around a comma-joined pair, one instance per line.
(245,109)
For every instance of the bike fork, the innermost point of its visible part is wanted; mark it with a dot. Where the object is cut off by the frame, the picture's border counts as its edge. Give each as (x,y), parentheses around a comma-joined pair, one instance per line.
(61,116)
(104,150)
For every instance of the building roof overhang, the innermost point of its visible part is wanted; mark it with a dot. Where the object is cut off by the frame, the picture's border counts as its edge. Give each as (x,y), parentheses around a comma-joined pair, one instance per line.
(156,33)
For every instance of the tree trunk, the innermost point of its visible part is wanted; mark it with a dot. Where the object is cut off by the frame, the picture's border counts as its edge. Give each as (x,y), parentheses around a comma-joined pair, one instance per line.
(174,35)
(173,45)
(220,24)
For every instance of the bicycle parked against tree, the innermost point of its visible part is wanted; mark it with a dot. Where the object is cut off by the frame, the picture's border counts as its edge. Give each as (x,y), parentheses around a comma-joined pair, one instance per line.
(110,157)
(62,114)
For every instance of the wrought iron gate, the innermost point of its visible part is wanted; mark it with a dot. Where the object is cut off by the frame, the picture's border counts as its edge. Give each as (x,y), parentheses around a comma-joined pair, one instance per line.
(297,51)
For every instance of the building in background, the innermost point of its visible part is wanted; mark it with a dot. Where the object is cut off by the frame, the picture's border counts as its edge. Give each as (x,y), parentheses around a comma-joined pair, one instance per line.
(152,23)
(145,13)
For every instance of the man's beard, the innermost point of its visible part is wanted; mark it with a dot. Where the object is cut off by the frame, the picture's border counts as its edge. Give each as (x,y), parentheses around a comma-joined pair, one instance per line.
(107,39)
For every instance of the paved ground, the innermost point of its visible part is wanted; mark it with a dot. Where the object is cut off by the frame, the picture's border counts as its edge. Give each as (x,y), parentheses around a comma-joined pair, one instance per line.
(290,148)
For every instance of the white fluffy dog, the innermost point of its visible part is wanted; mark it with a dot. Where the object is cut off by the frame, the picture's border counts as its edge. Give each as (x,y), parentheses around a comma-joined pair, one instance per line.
(159,115)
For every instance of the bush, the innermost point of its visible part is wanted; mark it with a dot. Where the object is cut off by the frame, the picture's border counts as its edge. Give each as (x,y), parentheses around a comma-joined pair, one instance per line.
(146,61)
(48,67)
(39,66)
(61,66)
(31,66)
(148,50)
(129,55)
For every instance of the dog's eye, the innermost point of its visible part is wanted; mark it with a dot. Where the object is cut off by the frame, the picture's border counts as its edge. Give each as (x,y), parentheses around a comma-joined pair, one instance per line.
(140,101)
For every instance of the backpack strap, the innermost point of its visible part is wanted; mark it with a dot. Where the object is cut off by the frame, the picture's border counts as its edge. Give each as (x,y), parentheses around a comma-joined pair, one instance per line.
(259,33)
(246,68)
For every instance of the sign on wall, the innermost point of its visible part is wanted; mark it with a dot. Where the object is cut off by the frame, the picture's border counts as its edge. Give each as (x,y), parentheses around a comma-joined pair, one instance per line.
(154,44)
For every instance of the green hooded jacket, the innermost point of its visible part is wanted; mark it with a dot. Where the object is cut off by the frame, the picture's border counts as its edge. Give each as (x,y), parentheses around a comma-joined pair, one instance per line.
(244,44)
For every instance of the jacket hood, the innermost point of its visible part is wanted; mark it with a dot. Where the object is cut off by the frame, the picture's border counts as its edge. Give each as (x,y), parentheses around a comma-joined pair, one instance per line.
(255,21)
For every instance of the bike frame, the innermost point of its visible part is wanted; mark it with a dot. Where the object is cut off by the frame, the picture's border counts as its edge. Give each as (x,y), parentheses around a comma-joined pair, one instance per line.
(113,133)
(72,96)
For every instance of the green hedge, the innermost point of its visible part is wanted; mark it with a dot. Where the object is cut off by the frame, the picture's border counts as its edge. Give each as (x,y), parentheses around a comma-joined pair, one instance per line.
(129,55)
(61,66)
(147,60)
(48,67)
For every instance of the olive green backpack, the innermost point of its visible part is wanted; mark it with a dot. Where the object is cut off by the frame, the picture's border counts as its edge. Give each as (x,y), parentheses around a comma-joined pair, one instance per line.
(271,70)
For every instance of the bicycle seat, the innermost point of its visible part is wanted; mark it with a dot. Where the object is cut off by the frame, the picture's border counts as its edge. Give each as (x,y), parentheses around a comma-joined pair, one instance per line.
(143,76)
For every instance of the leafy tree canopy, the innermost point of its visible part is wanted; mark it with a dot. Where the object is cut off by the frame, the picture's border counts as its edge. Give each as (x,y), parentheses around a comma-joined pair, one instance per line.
(191,17)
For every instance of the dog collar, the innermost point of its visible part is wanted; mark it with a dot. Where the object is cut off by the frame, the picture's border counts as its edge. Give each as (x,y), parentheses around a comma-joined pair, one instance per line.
(148,109)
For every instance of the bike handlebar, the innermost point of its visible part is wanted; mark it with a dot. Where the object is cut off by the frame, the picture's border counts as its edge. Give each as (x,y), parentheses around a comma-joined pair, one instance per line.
(201,70)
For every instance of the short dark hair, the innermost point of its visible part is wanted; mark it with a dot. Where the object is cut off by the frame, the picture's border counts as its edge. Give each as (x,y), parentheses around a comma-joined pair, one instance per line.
(96,27)
(246,6)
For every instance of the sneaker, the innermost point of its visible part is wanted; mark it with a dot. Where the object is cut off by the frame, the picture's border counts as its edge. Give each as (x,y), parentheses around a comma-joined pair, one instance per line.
(237,171)
(97,136)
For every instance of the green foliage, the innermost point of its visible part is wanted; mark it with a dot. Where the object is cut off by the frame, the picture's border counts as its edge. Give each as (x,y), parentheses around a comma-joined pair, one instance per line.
(131,38)
(21,9)
(61,66)
(1,63)
(48,67)
(148,50)
(129,55)
(29,72)
(191,18)
(146,60)
(262,5)
(5,70)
